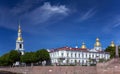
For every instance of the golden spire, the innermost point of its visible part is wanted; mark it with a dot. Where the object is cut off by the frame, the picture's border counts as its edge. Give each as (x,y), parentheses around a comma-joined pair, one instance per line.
(97,44)
(19,34)
(83,46)
(19,29)
(112,44)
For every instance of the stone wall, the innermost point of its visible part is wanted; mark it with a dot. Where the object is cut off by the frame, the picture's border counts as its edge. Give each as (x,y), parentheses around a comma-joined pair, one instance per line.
(110,67)
(53,70)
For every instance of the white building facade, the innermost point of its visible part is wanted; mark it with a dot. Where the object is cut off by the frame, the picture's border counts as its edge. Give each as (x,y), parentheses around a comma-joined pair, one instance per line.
(80,56)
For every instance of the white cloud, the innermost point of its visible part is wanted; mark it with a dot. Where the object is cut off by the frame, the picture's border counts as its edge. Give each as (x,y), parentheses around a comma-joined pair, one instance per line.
(117,25)
(24,6)
(38,16)
(88,14)
(47,12)
(116,21)
(112,24)
(55,9)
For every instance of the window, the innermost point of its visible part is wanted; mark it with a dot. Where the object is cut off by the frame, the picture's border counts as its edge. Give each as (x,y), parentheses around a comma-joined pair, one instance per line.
(62,54)
(75,55)
(71,61)
(71,54)
(79,61)
(92,55)
(86,55)
(67,54)
(89,56)
(82,55)
(20,45)
(82,61)
(79,55)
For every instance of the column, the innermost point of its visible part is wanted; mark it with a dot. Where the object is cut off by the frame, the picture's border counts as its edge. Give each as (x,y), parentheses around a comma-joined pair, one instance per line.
(116,52)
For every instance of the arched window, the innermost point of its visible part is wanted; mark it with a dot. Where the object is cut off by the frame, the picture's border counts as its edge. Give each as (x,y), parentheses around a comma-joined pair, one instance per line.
(20,45)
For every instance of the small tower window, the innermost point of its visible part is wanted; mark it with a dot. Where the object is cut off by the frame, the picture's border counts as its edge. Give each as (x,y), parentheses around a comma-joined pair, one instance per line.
(20,45)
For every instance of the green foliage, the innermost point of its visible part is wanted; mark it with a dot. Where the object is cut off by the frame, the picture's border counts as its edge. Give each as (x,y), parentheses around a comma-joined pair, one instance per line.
(90,60)
(102,60)
(14,56)
(42,55)
(9,58)
(29,57)
(33,57)
(4,60)
(111,50)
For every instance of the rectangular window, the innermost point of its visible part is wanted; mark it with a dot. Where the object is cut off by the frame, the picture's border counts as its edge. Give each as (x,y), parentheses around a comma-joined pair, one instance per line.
(62,54)
(79,61)
(71,54)
(75,55)
(67,54)
(86,55)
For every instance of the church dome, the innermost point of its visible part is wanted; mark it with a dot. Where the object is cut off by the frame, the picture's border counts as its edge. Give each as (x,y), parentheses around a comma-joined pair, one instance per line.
(112,44)
(83,46)
(97,44)
(19,39)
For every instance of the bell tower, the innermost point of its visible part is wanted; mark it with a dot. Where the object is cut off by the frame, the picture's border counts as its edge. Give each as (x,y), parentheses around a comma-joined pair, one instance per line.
(19,41)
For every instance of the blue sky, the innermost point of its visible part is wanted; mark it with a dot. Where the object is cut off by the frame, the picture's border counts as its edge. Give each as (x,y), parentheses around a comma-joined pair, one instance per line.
(57,23)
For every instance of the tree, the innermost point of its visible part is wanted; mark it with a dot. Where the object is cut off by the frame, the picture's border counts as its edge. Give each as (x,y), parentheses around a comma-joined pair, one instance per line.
(119,50)
(4,60)
(111,50)
(9,58)
(14,56)
(42,55)
(29,57)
